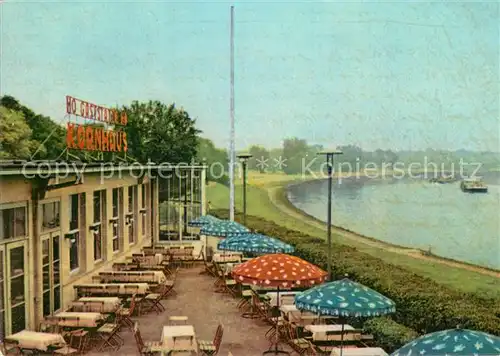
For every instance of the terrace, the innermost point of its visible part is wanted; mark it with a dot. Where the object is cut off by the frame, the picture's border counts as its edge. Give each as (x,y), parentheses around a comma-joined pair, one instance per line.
(148,289)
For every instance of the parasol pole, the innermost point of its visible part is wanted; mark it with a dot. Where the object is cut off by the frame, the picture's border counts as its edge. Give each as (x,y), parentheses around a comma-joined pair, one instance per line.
(342,337)
(276,350)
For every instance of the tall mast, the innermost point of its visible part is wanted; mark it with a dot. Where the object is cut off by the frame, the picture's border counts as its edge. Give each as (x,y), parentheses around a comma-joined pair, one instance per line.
(232,153)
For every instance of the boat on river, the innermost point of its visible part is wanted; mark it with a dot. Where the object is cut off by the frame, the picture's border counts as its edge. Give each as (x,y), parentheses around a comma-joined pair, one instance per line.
(473,185)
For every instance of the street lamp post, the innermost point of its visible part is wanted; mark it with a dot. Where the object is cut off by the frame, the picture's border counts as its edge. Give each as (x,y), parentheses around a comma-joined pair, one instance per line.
(244,157)
(329,161)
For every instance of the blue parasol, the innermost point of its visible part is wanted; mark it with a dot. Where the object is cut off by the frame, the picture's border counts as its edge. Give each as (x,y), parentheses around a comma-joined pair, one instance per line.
(223,228)
(452,342)
(256,243)
(203,220)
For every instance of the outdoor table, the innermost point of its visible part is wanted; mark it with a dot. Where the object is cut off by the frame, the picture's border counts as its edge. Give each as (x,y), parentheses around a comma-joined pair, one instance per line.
(273,295)
(110,304)
(301,318)
(170,332)
(359,351)
(36,340)
(113,289)
(74,319)
(134,276)
(226,257)
(319,331)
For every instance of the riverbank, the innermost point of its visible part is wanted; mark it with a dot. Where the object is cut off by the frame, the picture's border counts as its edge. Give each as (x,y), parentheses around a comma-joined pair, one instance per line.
(266,198)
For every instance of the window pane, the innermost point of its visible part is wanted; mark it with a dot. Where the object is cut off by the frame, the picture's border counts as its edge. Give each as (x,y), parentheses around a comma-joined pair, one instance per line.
(116,241)
(131,231)
(115,202)
(20,222)
(13,223)
(17,289)
(2,325)
(45,252)
(55,248)
(57,298)
(73,222)
(16,261)
(50,213)
(46,277)
(73,251)
(46,303)
(130,198)
(143,196)
(97,206)
(18,318)
(97,243)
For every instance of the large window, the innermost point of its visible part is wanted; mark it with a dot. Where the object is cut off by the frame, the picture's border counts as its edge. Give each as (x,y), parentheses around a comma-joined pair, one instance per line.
(179,202)
(131,213)
(13,223)
(99,201)
(117,213)
(74,227)
(144,193)
(50,218)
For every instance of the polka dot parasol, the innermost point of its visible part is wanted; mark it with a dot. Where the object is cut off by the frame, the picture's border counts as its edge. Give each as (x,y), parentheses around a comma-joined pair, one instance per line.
(279,270)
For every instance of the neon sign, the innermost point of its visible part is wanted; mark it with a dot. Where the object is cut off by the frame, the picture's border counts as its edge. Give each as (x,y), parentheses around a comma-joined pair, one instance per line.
(95,137)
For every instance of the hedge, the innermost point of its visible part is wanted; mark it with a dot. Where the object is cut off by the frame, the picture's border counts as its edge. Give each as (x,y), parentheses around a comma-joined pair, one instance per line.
(389,335)
(421,303)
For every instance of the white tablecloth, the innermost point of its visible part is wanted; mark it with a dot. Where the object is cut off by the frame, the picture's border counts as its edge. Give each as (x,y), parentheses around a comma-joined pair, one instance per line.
(360,351)
(170,332)
(137,276)
(36,340)
(109,304)
(228,257)
(319,331)
(121,290)
(88,320)
(273,296)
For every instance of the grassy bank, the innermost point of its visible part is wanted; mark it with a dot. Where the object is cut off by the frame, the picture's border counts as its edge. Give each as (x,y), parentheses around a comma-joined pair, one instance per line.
(265,199)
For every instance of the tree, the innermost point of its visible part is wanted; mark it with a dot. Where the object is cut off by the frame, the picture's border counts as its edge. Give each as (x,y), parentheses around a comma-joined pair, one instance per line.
(260,159)
(15,135)
(294,155)
(44,130)
(161,133)
(215,158)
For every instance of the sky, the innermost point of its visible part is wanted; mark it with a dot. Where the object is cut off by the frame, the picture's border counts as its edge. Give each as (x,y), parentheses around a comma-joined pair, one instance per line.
(390,75)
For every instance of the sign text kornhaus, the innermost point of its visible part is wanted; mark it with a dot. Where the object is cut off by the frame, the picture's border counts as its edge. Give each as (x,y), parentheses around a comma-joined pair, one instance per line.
(95,137)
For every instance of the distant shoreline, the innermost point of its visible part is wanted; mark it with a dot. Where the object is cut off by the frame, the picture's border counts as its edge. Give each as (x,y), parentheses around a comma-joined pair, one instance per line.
(283,202)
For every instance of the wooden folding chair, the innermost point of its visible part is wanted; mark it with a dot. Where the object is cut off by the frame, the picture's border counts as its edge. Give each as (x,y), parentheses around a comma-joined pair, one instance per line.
(148,347)
(211,348)
(154,299)
(300,345)
(124,315)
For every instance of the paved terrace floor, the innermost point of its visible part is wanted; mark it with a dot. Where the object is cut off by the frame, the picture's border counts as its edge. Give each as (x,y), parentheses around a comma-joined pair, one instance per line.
(205,309)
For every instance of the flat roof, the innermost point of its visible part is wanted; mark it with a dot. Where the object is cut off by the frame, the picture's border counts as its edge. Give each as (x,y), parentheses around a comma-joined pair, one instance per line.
(20,167)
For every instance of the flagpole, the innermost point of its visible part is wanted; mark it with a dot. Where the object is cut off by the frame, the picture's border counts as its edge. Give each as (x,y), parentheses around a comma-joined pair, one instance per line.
(232,152)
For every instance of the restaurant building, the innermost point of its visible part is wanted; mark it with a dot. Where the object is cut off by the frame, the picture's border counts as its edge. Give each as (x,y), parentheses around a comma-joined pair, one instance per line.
(63,222)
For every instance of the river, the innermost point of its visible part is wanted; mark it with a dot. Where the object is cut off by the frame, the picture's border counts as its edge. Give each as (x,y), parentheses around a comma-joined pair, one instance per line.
(413,213)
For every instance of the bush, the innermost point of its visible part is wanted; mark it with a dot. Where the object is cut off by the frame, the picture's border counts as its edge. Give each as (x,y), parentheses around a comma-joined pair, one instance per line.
(421,304)
(389,335)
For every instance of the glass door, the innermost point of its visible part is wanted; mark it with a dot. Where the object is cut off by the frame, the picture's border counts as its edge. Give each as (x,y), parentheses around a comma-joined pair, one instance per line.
(51,267)
(17,264)
(2,293)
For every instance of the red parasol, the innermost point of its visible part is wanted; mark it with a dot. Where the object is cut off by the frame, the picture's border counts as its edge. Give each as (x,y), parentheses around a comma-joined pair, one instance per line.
(279,270)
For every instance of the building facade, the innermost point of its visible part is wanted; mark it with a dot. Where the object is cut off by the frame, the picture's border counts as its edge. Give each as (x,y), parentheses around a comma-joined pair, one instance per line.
(61,227)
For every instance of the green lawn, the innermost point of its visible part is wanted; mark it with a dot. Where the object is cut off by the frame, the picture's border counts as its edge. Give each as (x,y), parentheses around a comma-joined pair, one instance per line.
(259,204)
